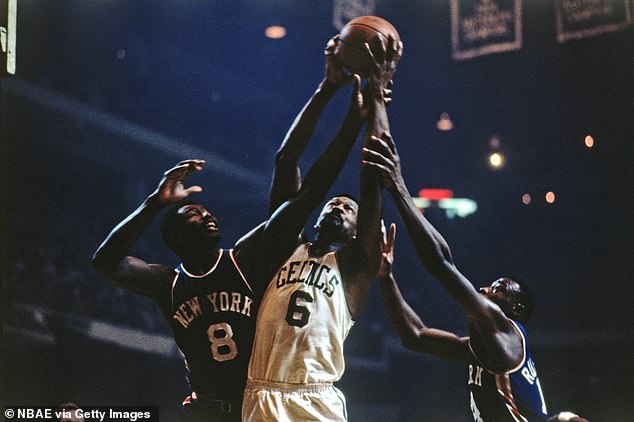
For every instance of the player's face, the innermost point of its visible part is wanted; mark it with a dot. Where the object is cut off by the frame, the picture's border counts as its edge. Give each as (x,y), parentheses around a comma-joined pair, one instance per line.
(501,292)
(200,224)
(338,218)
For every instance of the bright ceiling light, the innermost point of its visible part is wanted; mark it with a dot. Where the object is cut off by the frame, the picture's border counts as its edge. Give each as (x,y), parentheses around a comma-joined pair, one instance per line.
(496,160)
(275,32)
(444,123)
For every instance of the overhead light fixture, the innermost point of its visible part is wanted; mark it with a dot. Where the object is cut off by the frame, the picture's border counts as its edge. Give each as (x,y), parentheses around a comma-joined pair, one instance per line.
(496,160)
(275,32)
(589,141)
(444,123)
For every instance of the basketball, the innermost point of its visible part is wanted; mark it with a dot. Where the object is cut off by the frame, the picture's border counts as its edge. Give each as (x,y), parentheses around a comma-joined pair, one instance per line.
(351,46)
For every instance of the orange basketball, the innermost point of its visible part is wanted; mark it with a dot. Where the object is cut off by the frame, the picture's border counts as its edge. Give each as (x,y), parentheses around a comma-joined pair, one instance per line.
(352,38)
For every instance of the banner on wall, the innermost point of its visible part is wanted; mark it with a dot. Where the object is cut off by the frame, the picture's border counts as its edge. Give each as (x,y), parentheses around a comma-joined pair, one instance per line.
(585,18)
(480,27)
(344,10)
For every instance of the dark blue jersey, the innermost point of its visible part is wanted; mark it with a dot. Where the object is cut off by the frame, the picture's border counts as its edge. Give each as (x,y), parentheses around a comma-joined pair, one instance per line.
(213,319)
(513,396)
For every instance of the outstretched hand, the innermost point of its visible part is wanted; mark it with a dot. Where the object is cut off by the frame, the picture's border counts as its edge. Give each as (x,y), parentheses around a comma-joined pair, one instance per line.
(380,155)
(387,246)
(380,78)
(171,188)
(335,73)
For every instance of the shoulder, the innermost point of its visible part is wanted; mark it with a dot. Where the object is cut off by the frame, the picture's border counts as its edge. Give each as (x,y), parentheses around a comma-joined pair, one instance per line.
(499,351)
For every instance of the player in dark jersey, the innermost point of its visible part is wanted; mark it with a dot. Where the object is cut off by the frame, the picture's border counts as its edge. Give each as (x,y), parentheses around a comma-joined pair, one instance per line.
(501,375)
(211,299)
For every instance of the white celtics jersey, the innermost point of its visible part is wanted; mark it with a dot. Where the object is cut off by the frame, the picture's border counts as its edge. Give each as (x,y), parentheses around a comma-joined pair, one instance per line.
(302,323)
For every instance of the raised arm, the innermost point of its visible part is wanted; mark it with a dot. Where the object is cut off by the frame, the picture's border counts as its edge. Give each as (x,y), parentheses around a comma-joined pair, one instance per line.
(414,334)
(289,220)
(111,258)
(360,260)
(286,175)
(496,331)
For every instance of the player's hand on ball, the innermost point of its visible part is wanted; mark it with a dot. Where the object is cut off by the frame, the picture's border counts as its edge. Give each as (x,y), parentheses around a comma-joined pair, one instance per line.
(335,73)
(171,188)
(381,76)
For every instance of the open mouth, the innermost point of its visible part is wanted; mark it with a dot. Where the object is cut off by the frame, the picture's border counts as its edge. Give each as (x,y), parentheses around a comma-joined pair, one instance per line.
(212,225)
(334,218)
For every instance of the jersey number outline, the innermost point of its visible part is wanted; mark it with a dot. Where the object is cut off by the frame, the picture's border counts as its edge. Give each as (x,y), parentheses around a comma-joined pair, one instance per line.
(216,342)
(296,309)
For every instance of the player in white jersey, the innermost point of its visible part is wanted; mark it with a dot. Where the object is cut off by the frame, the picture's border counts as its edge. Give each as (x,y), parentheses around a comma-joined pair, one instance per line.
(318,290)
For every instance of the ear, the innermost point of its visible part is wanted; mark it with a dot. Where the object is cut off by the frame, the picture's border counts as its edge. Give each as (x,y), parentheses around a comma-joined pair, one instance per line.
(518,308)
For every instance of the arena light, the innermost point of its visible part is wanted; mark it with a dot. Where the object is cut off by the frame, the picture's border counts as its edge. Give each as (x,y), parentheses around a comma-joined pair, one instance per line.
(435,194)
(526,199)
(496,160)
(589,141)
(550,197)
(460,207)
(444,199)
(444,123)
(275,32)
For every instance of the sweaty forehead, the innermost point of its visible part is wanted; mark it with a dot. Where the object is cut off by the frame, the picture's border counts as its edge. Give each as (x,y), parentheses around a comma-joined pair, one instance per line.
(344,200)
(187,207)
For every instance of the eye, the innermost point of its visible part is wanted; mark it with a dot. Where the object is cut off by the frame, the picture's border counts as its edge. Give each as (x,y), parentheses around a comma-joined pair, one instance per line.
(193,211)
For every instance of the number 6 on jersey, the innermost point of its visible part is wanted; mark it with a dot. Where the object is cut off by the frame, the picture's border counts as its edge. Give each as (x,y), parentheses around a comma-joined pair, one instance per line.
(298,315)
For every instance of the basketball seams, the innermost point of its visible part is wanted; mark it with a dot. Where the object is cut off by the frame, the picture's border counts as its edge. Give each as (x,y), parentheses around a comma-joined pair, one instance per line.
(386,36)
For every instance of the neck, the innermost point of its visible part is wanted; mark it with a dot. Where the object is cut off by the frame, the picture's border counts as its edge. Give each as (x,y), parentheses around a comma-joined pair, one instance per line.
(200,262)
(322,246)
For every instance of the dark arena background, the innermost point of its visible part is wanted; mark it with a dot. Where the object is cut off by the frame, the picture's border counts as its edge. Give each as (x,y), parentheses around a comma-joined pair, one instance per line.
(108,94)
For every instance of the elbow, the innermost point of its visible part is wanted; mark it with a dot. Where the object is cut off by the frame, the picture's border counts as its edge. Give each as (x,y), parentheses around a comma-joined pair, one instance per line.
(439,268)
(284,158)
(413,340)
(410,342)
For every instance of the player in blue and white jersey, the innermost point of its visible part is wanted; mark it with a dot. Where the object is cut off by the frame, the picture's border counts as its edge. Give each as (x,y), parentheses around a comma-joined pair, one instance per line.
(501,375)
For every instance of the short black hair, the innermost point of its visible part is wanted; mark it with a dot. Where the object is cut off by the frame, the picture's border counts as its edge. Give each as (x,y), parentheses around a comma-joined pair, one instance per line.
(172,224)
(347,195)
(526,297)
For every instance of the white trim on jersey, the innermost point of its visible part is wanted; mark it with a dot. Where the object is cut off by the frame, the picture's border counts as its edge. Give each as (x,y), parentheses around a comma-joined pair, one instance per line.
(239,270)
(510,371)
(523,349)
(211,270)
(172,292)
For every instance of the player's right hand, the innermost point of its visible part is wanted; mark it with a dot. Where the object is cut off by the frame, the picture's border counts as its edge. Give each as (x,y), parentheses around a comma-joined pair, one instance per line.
(171,188)
(335,73)
(380,78)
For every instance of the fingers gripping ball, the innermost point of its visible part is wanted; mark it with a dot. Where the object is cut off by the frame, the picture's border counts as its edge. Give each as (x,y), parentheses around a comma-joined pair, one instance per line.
(351,48)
